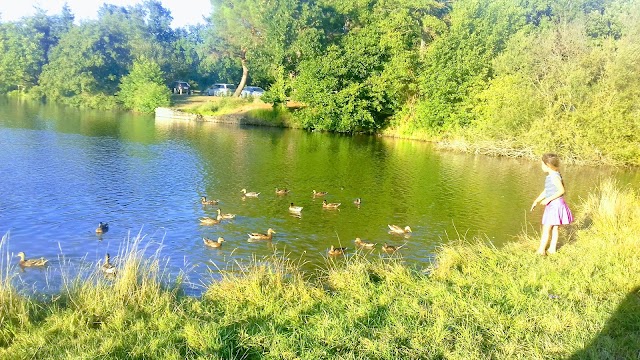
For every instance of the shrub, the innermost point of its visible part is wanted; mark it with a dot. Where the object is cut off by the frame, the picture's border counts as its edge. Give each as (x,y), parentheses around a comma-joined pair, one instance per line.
(143,89)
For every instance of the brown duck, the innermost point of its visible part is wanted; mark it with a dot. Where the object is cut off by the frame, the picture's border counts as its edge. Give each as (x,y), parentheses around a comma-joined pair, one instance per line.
(364,244)
(260,236)
(335,251)
(213,243)
(31,262)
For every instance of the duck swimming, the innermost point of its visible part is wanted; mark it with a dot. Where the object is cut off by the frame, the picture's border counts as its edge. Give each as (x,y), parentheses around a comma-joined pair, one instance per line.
(357,201)
(209,221)
(31,262)
(250,193)
(334,251)
(319,193)
(213,243)
(328,205)
(225,216)
(204,201)
(398,230)
(282,191)
(295,209)
(102,228)
(391,248)
(108,268)
(364,244)
(260,236)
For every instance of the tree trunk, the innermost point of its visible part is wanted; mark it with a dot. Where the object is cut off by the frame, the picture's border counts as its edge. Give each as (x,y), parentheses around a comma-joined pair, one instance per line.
(245,74)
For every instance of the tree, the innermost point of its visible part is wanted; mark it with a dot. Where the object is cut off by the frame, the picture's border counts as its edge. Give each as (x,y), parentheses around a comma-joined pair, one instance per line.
(255,32)
(458,65)
(367,69)
(143,89)
(86,66)
(20,57)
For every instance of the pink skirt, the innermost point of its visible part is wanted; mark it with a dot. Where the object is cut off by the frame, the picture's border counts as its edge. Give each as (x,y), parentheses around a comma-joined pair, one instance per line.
(557,213)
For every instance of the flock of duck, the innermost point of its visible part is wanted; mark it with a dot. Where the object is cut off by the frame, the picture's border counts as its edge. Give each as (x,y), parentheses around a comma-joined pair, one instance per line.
(295,210)
(109,269)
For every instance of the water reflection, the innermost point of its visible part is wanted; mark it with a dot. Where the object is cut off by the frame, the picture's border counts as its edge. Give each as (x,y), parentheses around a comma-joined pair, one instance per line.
(65,170)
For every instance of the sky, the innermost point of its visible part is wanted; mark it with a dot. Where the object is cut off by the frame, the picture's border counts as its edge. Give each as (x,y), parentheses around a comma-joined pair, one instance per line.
(184,12)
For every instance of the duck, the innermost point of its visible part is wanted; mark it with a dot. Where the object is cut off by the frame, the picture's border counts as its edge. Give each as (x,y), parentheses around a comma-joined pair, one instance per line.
(204,201)
(31,262)
(357,201)
(250,193)
(209,221)
(102,228)
(334,251)
(108,268)
(225,216)
(391,248)
(398,230)
(328,205)
(295,209)
(364,244)
(319,193)
(282,191)
(260,236)
(213,243)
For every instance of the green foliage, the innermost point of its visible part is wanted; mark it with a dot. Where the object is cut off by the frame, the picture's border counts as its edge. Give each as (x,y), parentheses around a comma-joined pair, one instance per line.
(458,64)
(474,302)
(276,116)
(261,42)
(563,90)
(537,75)
(367,72)
(219,106)
(336,89)
(143,89)
(89,61)
(82,65)
(20,57)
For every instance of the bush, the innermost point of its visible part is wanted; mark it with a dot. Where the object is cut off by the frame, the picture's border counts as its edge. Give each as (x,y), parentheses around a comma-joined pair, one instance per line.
(143,89)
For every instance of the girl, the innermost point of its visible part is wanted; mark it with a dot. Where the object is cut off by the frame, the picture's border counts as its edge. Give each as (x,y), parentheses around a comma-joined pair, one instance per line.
(556,211)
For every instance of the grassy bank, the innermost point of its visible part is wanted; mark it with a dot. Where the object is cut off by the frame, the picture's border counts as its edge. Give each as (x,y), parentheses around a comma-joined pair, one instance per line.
(467,140)
(214,106)
(253,111)
(474,302)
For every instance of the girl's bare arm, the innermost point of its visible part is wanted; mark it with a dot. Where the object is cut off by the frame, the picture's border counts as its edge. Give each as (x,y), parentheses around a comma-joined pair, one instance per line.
(537,200)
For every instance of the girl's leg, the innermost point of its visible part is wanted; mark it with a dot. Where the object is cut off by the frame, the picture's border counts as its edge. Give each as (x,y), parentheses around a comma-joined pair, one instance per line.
(544,240)
(554,239)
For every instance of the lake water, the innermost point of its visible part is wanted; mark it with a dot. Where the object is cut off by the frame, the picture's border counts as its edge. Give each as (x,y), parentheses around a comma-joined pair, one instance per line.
(64,170)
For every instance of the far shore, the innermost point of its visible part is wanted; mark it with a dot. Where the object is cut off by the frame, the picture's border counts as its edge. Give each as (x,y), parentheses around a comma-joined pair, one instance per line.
(258,113)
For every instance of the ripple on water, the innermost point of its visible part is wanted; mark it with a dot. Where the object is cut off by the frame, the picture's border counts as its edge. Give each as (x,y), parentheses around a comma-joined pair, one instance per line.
(142,178)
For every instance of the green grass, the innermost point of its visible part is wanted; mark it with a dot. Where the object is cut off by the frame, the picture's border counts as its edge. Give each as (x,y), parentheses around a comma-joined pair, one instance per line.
(223,106)
(251,110)
(278,116)
(474,302)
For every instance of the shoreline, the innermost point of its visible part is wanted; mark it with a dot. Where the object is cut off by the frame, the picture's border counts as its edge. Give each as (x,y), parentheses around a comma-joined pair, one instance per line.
(459,145)
(475,301)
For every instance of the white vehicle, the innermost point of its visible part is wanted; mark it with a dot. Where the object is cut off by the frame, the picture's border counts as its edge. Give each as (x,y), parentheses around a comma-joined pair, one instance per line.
(220,90)
(252,91)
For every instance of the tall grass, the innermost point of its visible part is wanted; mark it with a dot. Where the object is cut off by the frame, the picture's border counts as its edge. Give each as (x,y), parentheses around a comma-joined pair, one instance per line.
(474,301)
(275,116)
(14,309)
(221,106)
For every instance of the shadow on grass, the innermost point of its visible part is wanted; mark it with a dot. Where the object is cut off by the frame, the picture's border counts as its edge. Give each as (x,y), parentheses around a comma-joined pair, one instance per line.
(181,99)
(620,337)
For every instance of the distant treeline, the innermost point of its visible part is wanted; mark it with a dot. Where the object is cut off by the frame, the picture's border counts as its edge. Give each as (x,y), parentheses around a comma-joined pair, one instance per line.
(538,75)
